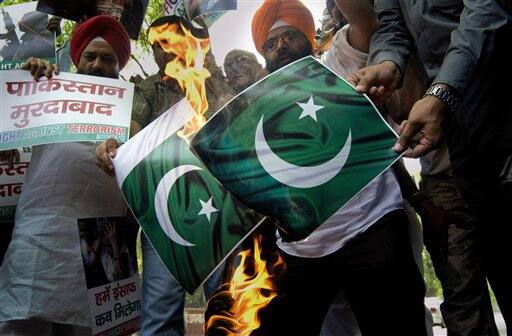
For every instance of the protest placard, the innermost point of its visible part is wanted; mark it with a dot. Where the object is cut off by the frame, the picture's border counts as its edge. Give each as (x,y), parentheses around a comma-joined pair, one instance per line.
(24,34)
(110,265)
(68,107)
(129,13)
(206,12)
(11,180)
(11,184)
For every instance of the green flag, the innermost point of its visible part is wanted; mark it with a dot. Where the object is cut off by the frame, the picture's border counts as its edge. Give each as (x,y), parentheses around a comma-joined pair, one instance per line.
(190,219)
(297,146)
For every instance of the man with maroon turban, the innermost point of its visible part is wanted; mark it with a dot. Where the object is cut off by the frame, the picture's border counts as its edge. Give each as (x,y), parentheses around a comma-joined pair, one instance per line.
(42,282)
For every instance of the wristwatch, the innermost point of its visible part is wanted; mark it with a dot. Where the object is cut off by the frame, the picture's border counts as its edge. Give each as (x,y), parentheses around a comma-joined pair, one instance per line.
(446,95)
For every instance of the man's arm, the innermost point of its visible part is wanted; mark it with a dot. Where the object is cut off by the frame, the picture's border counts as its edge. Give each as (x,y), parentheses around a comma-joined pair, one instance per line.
(473,39)
(362,20)
(389,53)
(480,22)
(470,43)
(392,40)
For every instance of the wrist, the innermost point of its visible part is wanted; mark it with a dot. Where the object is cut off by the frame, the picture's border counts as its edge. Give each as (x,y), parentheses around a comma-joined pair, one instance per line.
(435,101)
(395,70)
(445,96)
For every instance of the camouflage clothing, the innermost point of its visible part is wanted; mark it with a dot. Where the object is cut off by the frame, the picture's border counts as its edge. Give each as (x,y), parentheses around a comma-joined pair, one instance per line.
(466,308)
(154,96)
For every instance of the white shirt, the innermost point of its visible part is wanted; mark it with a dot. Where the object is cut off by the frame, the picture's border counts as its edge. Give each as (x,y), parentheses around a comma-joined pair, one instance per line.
(380,197)
(436,162)
(42,276)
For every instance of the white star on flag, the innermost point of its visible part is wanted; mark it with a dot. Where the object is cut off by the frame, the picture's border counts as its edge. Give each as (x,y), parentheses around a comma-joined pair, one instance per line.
(309,109)
(207,208)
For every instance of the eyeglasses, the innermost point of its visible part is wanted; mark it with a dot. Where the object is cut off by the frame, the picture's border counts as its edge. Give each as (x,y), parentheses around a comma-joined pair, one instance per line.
(286,37)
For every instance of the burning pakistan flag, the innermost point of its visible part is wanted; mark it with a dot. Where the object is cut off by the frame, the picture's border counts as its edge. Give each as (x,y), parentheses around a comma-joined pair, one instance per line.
(187,67)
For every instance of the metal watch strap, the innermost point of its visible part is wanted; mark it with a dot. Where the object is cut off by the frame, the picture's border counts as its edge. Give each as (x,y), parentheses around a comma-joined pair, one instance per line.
(445,95)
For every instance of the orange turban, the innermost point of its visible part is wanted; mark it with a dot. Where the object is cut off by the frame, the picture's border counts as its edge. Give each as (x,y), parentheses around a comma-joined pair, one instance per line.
(293,12)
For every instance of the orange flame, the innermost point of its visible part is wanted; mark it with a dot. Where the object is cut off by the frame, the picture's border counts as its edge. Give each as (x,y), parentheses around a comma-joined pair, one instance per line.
(249,291)
(187,67)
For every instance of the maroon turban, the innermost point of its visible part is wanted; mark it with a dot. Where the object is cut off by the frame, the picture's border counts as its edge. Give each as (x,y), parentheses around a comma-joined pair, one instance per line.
(109,29)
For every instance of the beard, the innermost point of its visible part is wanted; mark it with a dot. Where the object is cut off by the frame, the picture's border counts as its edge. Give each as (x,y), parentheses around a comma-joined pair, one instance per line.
(98,73)
(287,56)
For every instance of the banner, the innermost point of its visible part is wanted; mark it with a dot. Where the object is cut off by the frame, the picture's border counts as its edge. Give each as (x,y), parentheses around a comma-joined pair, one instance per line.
(297,145)
(129,12)
(207,11)
(110,265)
(11,183)
(24,34)
(68,107)
(188,216)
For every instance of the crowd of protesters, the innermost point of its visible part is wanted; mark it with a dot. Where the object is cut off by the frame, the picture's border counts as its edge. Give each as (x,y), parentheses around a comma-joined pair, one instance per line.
(437,71)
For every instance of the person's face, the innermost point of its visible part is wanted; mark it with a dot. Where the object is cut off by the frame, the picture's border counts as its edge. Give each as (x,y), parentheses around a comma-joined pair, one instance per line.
(241,71)
(161,57)
(99,59)
(283,46)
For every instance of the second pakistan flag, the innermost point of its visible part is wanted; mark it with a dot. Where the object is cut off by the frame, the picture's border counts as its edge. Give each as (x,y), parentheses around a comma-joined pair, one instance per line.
(297,146)
(190,219)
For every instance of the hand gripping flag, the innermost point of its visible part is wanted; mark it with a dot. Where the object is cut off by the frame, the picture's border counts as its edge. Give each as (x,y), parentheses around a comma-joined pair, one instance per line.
(190,219)
(297,146)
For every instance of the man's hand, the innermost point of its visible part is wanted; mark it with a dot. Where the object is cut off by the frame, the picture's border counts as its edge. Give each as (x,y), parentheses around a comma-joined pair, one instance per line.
(39,68)
(136,79)
(105,152)
(421,133)
(54,25)
(378,81)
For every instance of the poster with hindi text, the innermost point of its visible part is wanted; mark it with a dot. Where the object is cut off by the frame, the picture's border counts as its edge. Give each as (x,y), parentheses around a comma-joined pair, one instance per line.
(129,12)
(11,183)
(67,107)
(110,264)
(24,34)
(206,12)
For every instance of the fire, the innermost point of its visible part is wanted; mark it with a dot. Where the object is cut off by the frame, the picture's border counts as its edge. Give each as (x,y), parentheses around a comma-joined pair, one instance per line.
(250,290)
(187,67)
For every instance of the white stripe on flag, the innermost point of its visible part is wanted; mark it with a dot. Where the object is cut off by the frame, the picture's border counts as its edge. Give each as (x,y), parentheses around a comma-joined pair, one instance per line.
(143,143)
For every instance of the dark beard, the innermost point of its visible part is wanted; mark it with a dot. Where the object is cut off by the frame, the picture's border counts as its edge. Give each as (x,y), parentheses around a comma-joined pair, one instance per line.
(277,63)
(98,74)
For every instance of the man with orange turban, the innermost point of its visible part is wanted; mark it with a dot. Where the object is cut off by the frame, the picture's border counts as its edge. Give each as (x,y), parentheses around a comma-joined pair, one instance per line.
(364,249)
(42,283)
(277,23)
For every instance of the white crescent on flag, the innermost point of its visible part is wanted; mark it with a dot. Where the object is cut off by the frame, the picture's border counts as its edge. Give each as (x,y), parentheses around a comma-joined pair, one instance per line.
(161,200)
(297,176)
